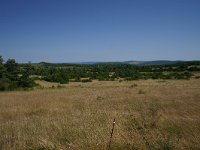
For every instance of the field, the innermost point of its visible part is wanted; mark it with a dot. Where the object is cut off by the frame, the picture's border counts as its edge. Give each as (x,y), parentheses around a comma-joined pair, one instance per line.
(149,114)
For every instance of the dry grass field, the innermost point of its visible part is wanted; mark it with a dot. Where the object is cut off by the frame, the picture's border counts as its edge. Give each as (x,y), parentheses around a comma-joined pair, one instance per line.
(151,114)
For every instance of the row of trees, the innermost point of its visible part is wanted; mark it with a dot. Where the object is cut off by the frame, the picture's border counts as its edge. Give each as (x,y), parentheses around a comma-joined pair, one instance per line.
(13,77)
(111,72)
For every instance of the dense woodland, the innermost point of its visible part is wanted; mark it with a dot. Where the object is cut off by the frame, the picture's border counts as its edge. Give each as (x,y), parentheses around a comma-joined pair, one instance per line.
(21,76)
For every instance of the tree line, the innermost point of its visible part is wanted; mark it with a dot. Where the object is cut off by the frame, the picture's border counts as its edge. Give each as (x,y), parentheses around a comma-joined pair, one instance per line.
(21,76)
(110,72)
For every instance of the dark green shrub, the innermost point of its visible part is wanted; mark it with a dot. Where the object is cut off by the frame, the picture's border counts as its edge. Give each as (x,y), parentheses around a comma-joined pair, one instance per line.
(7,85)
(86,80)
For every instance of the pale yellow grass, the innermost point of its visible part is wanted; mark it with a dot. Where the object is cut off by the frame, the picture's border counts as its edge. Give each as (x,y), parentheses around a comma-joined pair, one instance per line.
(151,114)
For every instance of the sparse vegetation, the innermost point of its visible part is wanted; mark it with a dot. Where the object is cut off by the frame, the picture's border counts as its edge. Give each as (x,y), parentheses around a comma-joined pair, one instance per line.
(165,117)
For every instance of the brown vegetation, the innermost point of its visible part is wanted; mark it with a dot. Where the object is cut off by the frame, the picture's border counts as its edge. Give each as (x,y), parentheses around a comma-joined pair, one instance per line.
(151,115)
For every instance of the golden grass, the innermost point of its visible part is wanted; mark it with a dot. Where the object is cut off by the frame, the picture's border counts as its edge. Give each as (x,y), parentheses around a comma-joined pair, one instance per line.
(151,114)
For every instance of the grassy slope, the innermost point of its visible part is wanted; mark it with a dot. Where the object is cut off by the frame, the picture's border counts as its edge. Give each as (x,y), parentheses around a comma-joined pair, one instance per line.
(153,114)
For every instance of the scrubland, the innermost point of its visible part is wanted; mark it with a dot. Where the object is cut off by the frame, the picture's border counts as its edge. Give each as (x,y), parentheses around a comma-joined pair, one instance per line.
(149,114)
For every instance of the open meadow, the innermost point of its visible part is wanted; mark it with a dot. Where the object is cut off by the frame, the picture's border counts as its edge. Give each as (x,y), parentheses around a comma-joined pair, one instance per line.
(149,114)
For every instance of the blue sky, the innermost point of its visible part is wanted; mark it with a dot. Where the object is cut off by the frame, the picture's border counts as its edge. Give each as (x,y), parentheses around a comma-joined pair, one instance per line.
(99,30)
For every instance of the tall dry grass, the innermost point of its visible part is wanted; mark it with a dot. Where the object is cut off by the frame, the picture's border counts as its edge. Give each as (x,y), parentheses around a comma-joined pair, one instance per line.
(165,115)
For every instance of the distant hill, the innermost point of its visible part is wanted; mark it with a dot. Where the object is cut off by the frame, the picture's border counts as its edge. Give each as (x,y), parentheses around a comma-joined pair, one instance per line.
(138,63)
(156,62)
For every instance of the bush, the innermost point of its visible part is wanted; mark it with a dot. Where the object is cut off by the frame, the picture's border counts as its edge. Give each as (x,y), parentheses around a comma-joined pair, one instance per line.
(7,85)
(57,77)
(86,80)
(26,82)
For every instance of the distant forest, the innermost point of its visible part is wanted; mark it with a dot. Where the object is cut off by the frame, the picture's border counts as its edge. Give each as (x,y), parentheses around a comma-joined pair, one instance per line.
(15,76)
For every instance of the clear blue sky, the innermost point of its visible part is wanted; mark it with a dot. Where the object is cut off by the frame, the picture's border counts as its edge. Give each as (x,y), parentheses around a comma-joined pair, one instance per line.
(99,30)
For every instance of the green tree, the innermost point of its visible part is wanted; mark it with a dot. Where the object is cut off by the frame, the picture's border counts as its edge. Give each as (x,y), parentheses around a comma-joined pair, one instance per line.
(25,81)
(2,68)
(12,70)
